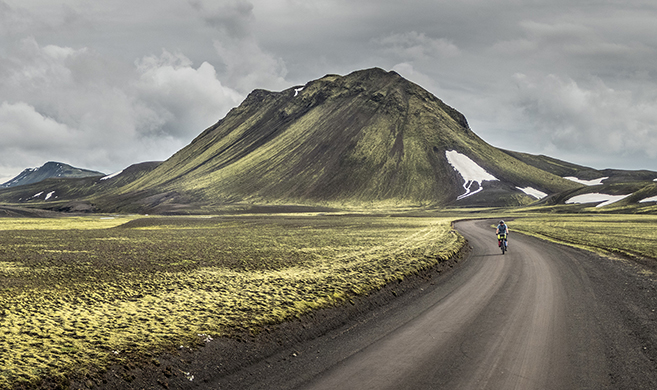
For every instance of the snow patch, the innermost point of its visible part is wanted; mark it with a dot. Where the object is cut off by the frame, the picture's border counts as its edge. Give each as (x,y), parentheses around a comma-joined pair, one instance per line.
(533,192)
(37,194)
(469,170)
(594,182)
(111,175)
(297,90)
(597,197)
(651,199)
(49,195)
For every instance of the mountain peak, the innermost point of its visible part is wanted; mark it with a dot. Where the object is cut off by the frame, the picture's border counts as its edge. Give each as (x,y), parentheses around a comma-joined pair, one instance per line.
(51,169)
(380,85)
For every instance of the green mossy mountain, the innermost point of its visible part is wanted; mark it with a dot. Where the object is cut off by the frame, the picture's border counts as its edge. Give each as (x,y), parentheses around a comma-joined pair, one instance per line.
(368,137)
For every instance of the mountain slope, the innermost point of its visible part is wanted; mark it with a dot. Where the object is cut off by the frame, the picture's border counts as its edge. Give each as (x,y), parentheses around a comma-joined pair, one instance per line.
(49,170)
(370,136)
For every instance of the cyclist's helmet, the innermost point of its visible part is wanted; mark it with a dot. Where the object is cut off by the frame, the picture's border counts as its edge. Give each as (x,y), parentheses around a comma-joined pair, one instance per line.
(501,222)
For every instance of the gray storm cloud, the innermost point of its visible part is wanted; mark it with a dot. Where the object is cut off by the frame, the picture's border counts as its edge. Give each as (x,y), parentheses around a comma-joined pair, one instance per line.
(103,85)
(589,118)
(67,104)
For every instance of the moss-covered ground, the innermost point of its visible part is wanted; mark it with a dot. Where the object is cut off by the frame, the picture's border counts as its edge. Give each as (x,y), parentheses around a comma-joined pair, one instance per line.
(80,294)
(624,234)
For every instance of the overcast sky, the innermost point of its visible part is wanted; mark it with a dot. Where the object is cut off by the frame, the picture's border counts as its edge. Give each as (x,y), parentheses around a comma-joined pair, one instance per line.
(105,84)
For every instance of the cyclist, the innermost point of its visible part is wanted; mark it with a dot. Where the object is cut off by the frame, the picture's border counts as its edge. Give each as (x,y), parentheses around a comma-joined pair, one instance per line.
(502,229)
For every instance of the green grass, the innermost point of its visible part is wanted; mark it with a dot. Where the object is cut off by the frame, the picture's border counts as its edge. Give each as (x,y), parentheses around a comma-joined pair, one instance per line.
(78,294)
(629,235)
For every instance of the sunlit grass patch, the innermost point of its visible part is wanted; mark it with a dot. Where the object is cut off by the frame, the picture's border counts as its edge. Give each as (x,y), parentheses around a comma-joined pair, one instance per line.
(86,223)
(632,235)
(74,298)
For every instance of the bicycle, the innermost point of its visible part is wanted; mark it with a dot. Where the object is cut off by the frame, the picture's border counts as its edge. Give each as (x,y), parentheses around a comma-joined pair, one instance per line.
(502,242)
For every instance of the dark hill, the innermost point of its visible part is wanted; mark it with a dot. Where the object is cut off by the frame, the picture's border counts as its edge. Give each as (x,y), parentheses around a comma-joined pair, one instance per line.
(566,169)
(49,170)
(72,193)
(370,136)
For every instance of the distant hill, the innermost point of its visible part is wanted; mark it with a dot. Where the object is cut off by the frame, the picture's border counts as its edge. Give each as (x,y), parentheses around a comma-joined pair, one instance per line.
(613,189)
(565,169)
(49,170)
(72,193)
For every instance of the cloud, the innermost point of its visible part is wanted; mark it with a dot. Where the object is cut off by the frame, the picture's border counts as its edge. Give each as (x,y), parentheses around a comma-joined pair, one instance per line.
(184,99)
(27,136)
(12,20)
(24,127)
(417,46)
(571,116)
(246,65)
(128,81)
(577,39)
(230,17)
(78,107)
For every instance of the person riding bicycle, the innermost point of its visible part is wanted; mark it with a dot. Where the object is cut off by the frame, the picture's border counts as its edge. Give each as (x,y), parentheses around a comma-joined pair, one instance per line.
(502,229)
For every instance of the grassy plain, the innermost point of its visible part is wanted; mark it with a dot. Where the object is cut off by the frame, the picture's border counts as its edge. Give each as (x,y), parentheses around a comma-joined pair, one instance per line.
(81,293)
(625,234)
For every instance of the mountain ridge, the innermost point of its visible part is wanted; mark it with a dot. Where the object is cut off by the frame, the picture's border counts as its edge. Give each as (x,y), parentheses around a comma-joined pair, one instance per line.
(370,138)
(50,169)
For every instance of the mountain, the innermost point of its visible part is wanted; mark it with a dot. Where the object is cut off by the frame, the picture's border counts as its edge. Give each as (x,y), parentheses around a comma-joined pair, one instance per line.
(614,189)
(49,170)
(72,193)
(368,137)
(565,169)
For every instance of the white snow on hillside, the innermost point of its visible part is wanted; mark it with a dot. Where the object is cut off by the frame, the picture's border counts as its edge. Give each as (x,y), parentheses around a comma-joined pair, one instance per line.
(533,192)
(469,170)
(596,197)
(297,90)
(37,194)
(49,195)
(651,199)
(111,175)
(594,182)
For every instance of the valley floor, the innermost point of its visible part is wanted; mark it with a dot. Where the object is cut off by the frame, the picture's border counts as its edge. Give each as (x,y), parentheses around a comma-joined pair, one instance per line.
(542,316)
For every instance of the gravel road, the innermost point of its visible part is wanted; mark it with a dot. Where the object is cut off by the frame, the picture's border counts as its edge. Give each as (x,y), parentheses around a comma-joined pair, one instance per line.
(542,316)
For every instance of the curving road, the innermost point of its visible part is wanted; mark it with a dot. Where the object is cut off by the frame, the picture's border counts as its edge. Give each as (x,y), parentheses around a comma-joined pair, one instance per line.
(542,316)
